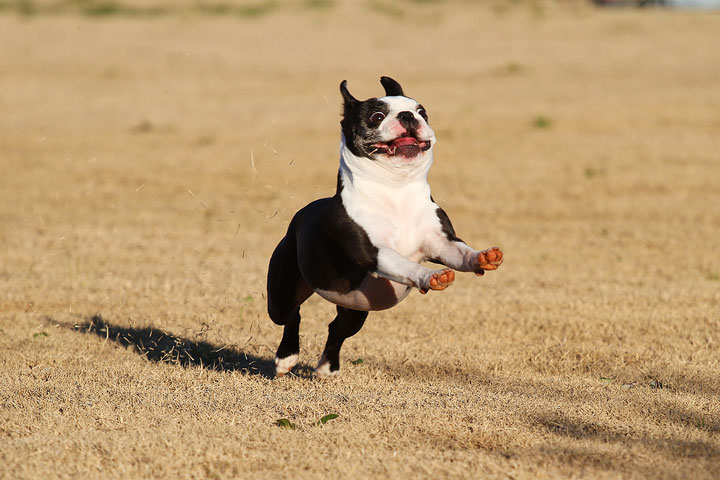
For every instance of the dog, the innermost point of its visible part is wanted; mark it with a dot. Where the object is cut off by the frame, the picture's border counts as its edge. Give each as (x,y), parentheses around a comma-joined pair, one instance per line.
(361,248)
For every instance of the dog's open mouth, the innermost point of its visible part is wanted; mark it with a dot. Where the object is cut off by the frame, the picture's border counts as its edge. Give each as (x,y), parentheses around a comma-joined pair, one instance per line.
(405,145)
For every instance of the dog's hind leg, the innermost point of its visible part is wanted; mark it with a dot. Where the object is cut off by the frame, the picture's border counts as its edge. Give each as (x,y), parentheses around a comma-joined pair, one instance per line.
(286,291)
(346,324)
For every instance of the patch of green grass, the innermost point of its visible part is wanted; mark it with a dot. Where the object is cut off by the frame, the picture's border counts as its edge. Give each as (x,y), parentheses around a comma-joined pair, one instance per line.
(114,9)
(327,418)
(84,7)
(285,423)
(386,8)
(249,10)
(214,9)
(591,172)
(40,334)
(357,361)
(541,122)
(256,10)
(713,277)
(104,9)
(26,8)
(509,69)
(513,68)
(319,4)
(206,140)
(538,10)
(109,8)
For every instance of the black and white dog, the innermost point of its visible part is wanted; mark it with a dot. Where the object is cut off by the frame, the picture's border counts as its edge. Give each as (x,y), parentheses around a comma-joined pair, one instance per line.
(361,248)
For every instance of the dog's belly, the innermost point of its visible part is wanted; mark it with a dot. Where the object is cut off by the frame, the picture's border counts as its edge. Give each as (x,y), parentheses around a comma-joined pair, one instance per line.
(372,294)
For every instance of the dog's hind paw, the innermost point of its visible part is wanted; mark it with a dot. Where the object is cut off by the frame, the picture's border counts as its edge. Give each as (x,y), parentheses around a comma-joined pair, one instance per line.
(284,365)
(489,259)
(323,371)
(439,280)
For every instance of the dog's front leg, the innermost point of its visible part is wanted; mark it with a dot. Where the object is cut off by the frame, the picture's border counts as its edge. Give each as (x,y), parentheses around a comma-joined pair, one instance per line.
(393,266)
(457,255)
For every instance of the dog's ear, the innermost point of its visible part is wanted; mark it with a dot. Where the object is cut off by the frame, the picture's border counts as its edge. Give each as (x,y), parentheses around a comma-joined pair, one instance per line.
(348,99)
(392,88)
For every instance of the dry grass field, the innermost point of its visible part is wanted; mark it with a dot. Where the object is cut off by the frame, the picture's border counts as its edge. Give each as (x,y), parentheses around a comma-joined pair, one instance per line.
(151,158)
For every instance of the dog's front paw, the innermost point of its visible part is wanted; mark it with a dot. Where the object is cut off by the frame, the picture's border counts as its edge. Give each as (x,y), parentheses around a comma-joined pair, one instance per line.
(489,259)
(284,365)
(438,280)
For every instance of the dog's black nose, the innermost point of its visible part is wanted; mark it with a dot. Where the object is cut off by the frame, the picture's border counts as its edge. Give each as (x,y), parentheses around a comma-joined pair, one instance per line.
(408,116)
(408,120)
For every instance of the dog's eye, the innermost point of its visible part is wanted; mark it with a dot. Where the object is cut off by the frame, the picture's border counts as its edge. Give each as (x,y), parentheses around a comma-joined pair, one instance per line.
(421,111)
(376,117)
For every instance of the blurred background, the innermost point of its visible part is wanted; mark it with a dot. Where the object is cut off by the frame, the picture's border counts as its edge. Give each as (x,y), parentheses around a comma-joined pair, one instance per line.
(157,150)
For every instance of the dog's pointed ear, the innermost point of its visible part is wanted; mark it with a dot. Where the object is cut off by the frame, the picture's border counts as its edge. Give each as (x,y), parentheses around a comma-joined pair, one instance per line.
(392,88)
(348,99)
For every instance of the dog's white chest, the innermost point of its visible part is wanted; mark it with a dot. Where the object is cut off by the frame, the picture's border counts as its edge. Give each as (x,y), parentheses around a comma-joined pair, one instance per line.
(399,218)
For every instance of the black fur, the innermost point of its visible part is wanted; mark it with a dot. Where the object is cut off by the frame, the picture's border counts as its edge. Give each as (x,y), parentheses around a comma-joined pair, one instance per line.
(348,100)
(323,249)
(447,227)
(346,324)
(357,129)
(392,88)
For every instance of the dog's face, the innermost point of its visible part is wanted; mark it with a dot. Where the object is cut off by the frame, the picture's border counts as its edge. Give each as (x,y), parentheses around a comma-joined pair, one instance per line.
(392,130)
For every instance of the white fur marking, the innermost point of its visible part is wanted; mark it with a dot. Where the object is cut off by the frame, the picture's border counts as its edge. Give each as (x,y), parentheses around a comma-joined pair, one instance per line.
(456,255)
(323,369)
(389,197)
(284,365)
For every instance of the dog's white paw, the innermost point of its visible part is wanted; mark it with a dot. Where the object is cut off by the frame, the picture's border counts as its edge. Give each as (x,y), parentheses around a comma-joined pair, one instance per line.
(284,365)
(323,369)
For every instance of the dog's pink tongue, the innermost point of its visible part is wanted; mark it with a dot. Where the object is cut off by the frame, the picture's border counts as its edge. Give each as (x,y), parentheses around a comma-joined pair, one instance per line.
(404,141)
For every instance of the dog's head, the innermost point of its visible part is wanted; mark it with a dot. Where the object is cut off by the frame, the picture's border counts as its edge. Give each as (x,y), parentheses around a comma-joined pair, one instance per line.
(392,130)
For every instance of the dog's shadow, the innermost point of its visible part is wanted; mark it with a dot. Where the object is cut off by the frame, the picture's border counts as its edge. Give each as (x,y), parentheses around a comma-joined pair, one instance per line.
(160,346)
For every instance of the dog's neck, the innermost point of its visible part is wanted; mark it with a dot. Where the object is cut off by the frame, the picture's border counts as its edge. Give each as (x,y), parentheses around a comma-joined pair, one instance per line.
(361,172)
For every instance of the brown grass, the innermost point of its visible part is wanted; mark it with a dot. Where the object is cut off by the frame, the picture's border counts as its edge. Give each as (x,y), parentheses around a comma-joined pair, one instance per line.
(150,165)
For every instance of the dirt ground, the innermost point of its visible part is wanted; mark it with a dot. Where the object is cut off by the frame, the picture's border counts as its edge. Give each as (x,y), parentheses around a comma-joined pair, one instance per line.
(152,159)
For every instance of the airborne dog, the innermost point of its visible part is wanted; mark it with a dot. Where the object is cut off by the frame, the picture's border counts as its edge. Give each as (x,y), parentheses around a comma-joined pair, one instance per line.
(361,248)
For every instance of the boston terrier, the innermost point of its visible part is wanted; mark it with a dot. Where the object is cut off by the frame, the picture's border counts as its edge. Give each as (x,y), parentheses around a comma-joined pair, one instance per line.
(361,248)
